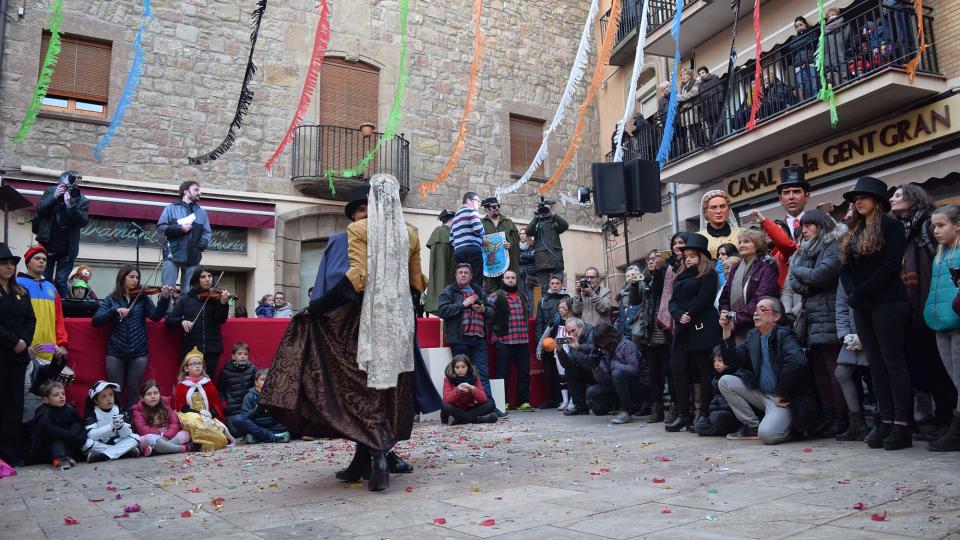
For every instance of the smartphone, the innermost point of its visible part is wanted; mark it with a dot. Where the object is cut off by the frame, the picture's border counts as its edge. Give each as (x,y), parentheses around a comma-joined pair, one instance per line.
(48,347)
(955,274)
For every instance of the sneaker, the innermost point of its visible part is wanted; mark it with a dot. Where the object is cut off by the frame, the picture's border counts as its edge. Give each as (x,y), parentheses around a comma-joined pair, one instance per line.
(571,406)
(526,407)
(577,412)
(746,433)
(622,418)
(96,457)
(487,419)
(131,453)
(563,406)
(249,439)
(282,437)
(502,414)
(147,450)
(72,462)
(61,463)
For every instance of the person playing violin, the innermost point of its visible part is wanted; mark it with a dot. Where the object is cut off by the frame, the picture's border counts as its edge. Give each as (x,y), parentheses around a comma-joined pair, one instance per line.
(126,311)
(200,313)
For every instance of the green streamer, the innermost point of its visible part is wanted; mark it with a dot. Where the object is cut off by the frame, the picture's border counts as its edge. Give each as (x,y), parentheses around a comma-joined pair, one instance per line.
(46,71)
(394,119)
(826,90)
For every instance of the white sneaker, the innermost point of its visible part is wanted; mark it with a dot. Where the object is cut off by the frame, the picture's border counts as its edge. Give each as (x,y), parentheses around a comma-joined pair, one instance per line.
(563,406)
(571,406)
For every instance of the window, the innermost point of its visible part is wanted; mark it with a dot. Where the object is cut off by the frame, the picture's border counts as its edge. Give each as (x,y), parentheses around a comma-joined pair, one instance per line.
(526,134)
(348,93)
(81,77)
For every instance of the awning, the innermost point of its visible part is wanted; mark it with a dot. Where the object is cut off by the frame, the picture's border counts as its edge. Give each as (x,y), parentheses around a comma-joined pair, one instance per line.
(117,203)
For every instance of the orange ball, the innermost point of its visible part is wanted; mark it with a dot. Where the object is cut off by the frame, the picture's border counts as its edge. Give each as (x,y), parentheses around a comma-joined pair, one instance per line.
(549,344)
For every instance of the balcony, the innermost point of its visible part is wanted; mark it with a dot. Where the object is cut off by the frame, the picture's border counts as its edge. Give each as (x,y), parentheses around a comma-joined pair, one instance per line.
(320,148)
(701,20)
(661,13)
(864,55)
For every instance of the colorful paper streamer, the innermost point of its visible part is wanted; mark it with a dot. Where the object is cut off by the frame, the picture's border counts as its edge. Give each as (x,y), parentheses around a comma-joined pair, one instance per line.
(472,84)
(393,121)
(46,71)
(577,70)
(757,94)
(603,57)
(246,95)
(911,66)
(634,79)
(668,126)
(826,93)
(320,41)
(130,86)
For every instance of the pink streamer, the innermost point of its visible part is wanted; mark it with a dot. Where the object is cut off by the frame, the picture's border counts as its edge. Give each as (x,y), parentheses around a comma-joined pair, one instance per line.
(758,75)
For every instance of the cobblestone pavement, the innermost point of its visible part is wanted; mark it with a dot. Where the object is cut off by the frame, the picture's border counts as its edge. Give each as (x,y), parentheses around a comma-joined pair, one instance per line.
(534,475)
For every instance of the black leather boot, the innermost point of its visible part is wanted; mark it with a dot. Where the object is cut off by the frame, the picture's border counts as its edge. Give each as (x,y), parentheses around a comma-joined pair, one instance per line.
(899,438)
(397,465)
(951,441)
(840,421)
(679,423)
(856,430)
(379,472)
(359,467)
(880,430)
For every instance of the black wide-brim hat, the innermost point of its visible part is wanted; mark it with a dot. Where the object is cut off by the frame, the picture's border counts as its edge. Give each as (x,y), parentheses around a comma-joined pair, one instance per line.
(445,215)
(7,255)
(490,201)
(870,187)
(697,242)
(792,176)
(358,196)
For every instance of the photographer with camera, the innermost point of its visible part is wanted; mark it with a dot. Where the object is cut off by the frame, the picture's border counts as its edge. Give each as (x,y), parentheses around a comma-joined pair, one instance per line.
(623,381)
(574,354)
(545,229)
(591,300)
(61,213)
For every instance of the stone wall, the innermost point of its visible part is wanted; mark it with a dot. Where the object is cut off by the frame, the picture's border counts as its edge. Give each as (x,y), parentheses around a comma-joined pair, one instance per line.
(196,52)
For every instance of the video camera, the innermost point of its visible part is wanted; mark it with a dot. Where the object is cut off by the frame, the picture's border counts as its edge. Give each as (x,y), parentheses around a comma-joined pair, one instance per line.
(542,207)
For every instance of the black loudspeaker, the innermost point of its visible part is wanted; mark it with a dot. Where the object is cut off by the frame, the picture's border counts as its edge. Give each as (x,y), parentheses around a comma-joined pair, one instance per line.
(642,179)
(609,189)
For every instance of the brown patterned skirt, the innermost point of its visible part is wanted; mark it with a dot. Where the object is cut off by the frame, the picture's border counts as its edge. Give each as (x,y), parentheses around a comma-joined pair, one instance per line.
(315,387)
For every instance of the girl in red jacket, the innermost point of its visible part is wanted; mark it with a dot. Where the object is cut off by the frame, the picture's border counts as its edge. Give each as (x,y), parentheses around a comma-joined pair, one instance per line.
(464,401)
(157,424)
(198,404)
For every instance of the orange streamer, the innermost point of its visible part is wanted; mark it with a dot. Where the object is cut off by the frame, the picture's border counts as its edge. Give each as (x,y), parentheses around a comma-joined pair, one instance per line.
(606,47)
(474,81)
(911,66)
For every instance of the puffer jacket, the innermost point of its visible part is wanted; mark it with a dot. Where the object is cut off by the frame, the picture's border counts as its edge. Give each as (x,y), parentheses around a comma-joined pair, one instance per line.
(626,357)
(548,309)
(235,381)
(184,247)
(128,337)
(815,277)
(938,311)
(264,311)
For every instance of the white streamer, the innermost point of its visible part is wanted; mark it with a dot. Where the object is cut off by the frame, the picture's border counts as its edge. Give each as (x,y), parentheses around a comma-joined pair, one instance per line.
(576,74)
(632,97)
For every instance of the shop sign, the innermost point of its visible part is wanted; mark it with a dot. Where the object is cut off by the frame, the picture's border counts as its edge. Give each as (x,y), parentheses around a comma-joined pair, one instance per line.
(909,129)
(115,231)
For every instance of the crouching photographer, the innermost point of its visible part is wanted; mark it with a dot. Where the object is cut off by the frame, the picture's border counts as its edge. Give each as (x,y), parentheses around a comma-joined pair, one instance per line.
(61,213)
(622,377)
(545,229)
(575,354)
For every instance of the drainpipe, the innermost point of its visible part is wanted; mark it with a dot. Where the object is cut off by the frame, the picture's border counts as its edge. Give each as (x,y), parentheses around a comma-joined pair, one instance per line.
(674,212)
(3,32)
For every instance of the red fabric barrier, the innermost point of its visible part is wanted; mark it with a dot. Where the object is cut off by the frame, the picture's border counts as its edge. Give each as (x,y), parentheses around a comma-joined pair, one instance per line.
(537,397)
(88,347)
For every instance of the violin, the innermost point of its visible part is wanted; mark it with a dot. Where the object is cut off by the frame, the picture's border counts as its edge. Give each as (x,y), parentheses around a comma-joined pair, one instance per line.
(147,290)
(214,294)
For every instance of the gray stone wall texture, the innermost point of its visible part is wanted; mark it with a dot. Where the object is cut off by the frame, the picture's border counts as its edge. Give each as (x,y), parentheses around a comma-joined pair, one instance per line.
(196,51)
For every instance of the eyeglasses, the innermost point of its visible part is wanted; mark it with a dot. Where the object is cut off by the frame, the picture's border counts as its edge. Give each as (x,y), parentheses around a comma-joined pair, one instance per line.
(762,309)
(194,364)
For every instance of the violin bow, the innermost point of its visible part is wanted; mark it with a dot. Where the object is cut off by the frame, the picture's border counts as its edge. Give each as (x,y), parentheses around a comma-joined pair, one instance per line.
(153,275)
(199,313)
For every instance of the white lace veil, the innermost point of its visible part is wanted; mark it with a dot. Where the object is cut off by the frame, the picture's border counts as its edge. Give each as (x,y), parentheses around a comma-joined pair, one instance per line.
(387,325)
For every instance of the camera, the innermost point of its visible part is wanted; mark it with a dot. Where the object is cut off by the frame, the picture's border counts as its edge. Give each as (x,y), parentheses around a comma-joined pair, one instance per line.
(543,207)
(70,179)
(562,341)
(728,316)
(584,283)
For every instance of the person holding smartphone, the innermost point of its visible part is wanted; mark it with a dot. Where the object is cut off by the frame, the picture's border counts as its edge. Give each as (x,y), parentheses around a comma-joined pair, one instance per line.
(592,302)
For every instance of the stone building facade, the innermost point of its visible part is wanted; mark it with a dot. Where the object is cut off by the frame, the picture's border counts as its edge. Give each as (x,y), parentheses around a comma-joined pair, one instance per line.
(195,54)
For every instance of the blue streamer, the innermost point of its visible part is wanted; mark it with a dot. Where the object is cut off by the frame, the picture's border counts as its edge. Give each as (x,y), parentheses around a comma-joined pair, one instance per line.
(664,152)
(130,86)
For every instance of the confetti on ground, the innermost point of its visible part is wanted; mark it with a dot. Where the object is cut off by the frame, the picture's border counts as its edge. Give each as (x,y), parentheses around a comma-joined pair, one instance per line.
(123,515)
(69,520)
(711,517)
(807,450)
(879,517)
(131,508)
(843,481)
(217,502)
(666,510)
(663,458)
(195,490)
(658,480)
(95,500)
(409,489)
(488,523)
(475,489)
(186,514)
(440,521)
(859,506)
(712,491)
(111,488)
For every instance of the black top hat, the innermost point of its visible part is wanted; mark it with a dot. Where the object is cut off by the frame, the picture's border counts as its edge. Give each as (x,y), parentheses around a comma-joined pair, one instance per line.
(489,201)
(7,255)
(445,215)
(792,176)
(697,242)
(870,187)
(358,196)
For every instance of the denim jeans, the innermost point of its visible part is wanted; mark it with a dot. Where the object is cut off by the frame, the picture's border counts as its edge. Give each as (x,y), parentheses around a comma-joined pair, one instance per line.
(58,270)
(246,426)
(624,393)
(171,271)
(476,349)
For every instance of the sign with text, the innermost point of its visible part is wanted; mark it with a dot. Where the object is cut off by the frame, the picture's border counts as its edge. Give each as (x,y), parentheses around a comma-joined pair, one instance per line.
(116,231)
(909,129)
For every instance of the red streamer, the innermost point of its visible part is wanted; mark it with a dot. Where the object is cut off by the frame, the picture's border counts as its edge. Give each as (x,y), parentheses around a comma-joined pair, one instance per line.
(310,83)
(758,75)
(911,66)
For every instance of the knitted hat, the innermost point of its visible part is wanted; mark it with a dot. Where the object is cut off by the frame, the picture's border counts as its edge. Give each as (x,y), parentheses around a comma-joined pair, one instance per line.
(33,250)
(83,272)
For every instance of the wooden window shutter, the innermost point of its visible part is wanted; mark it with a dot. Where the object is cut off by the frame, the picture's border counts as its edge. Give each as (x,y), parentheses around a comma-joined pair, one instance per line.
(526,135)
(348,94)
(82,70)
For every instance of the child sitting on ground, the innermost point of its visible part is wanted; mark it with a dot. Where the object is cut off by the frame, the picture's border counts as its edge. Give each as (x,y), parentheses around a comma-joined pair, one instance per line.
(236,379)
(198,404)
(253,422)
(719,420)
(158,425)
(57,429)
(464,401)
(108,425)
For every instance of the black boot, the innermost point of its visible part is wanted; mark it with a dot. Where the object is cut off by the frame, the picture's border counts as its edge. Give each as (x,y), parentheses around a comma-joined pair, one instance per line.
(856,429)
(359,467)
(840,421)
(899,438)
(379,472)
(951,441)
(397,465)
(679,423)
(880,431)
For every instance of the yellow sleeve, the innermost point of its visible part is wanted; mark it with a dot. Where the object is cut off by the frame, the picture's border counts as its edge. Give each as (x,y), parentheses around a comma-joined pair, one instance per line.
(357,252)
(417,280)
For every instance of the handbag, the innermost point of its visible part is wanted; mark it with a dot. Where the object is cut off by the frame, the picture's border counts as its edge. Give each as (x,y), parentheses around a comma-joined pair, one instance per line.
(801,324)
